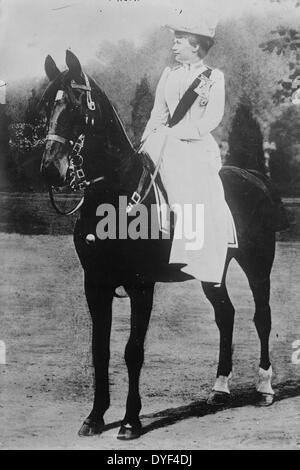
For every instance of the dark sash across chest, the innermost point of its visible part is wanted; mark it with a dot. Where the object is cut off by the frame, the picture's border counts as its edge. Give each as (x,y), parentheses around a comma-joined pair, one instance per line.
(198,89)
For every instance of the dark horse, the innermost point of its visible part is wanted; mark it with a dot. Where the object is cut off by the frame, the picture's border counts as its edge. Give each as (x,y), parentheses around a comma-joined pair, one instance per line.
(75,106)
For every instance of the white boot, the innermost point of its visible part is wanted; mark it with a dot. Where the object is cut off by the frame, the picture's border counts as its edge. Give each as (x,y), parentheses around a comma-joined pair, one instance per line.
(264,381)
(222,384)
(220,394)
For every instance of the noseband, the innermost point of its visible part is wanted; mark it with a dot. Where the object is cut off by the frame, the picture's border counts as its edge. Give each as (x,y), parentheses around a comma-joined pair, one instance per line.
(77,179)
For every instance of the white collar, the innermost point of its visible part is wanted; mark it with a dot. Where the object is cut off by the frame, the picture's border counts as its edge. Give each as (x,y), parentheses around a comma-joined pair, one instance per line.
(194,66)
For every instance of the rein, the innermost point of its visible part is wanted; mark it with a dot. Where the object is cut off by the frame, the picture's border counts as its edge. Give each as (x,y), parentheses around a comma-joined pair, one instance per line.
(78,179)
(137,197)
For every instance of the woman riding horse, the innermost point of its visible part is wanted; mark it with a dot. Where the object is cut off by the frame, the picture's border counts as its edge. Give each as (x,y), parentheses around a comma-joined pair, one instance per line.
(81,116)
(190,167)
(189,104)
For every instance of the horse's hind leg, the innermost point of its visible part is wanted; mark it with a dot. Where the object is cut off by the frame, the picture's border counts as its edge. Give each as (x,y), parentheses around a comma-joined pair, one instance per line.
(141,299)
(257,267)
(224,317)
(100,305)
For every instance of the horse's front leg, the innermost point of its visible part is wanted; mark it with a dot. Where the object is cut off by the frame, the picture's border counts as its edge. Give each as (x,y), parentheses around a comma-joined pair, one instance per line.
(224,317)
(141,299)
(99,300)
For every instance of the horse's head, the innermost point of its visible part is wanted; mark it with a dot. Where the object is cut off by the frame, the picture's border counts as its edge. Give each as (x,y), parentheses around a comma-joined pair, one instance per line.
(85,140)
(63,102)
(79,115)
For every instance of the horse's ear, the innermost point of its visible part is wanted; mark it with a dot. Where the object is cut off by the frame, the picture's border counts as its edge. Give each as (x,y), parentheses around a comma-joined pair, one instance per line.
(50,68)
(74,65)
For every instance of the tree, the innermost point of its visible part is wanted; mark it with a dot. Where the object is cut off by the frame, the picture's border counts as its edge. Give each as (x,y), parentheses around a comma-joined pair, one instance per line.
(249,71)
(141,108)
(118,68)
(246,141)
(5,168)
(285,161)
(26,132)
(285,42)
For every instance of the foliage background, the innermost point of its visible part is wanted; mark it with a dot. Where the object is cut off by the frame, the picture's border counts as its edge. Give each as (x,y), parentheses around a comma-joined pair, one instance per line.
(128,73)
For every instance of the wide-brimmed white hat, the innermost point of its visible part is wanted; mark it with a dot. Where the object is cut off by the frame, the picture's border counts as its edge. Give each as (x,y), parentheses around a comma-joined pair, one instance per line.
(190,22)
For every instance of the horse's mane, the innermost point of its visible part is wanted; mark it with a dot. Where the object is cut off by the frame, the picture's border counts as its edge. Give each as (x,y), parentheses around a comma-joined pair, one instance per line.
(113,120)
(109,112)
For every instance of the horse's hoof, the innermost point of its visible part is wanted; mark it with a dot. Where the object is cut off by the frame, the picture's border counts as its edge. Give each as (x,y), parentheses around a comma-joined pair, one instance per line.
(265,399)
(91,428)
(128,432)
(218,398)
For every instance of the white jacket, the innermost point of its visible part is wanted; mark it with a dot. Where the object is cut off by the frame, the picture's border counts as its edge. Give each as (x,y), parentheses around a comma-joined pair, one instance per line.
(199,120)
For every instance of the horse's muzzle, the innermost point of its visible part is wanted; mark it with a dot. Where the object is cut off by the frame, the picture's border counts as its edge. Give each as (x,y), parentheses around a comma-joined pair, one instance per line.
(52,174)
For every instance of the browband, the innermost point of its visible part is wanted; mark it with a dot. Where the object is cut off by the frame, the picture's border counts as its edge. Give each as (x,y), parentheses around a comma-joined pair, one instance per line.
(80,87)
(87,87)
(57,138)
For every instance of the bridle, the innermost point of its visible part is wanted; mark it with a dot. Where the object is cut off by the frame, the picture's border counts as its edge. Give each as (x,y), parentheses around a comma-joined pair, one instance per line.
(76,177)
(77,180)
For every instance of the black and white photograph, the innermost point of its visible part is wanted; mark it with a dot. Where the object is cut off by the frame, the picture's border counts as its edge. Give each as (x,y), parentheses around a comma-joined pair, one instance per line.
(150,227)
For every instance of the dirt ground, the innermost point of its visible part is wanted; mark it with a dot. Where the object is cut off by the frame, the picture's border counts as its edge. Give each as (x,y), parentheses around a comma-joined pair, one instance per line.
(46,384)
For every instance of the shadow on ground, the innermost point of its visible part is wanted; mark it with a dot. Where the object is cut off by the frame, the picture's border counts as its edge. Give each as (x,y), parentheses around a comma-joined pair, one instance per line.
(198,409)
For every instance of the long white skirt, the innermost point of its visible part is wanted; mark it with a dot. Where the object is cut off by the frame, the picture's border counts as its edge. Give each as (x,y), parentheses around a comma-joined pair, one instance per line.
(204,225)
